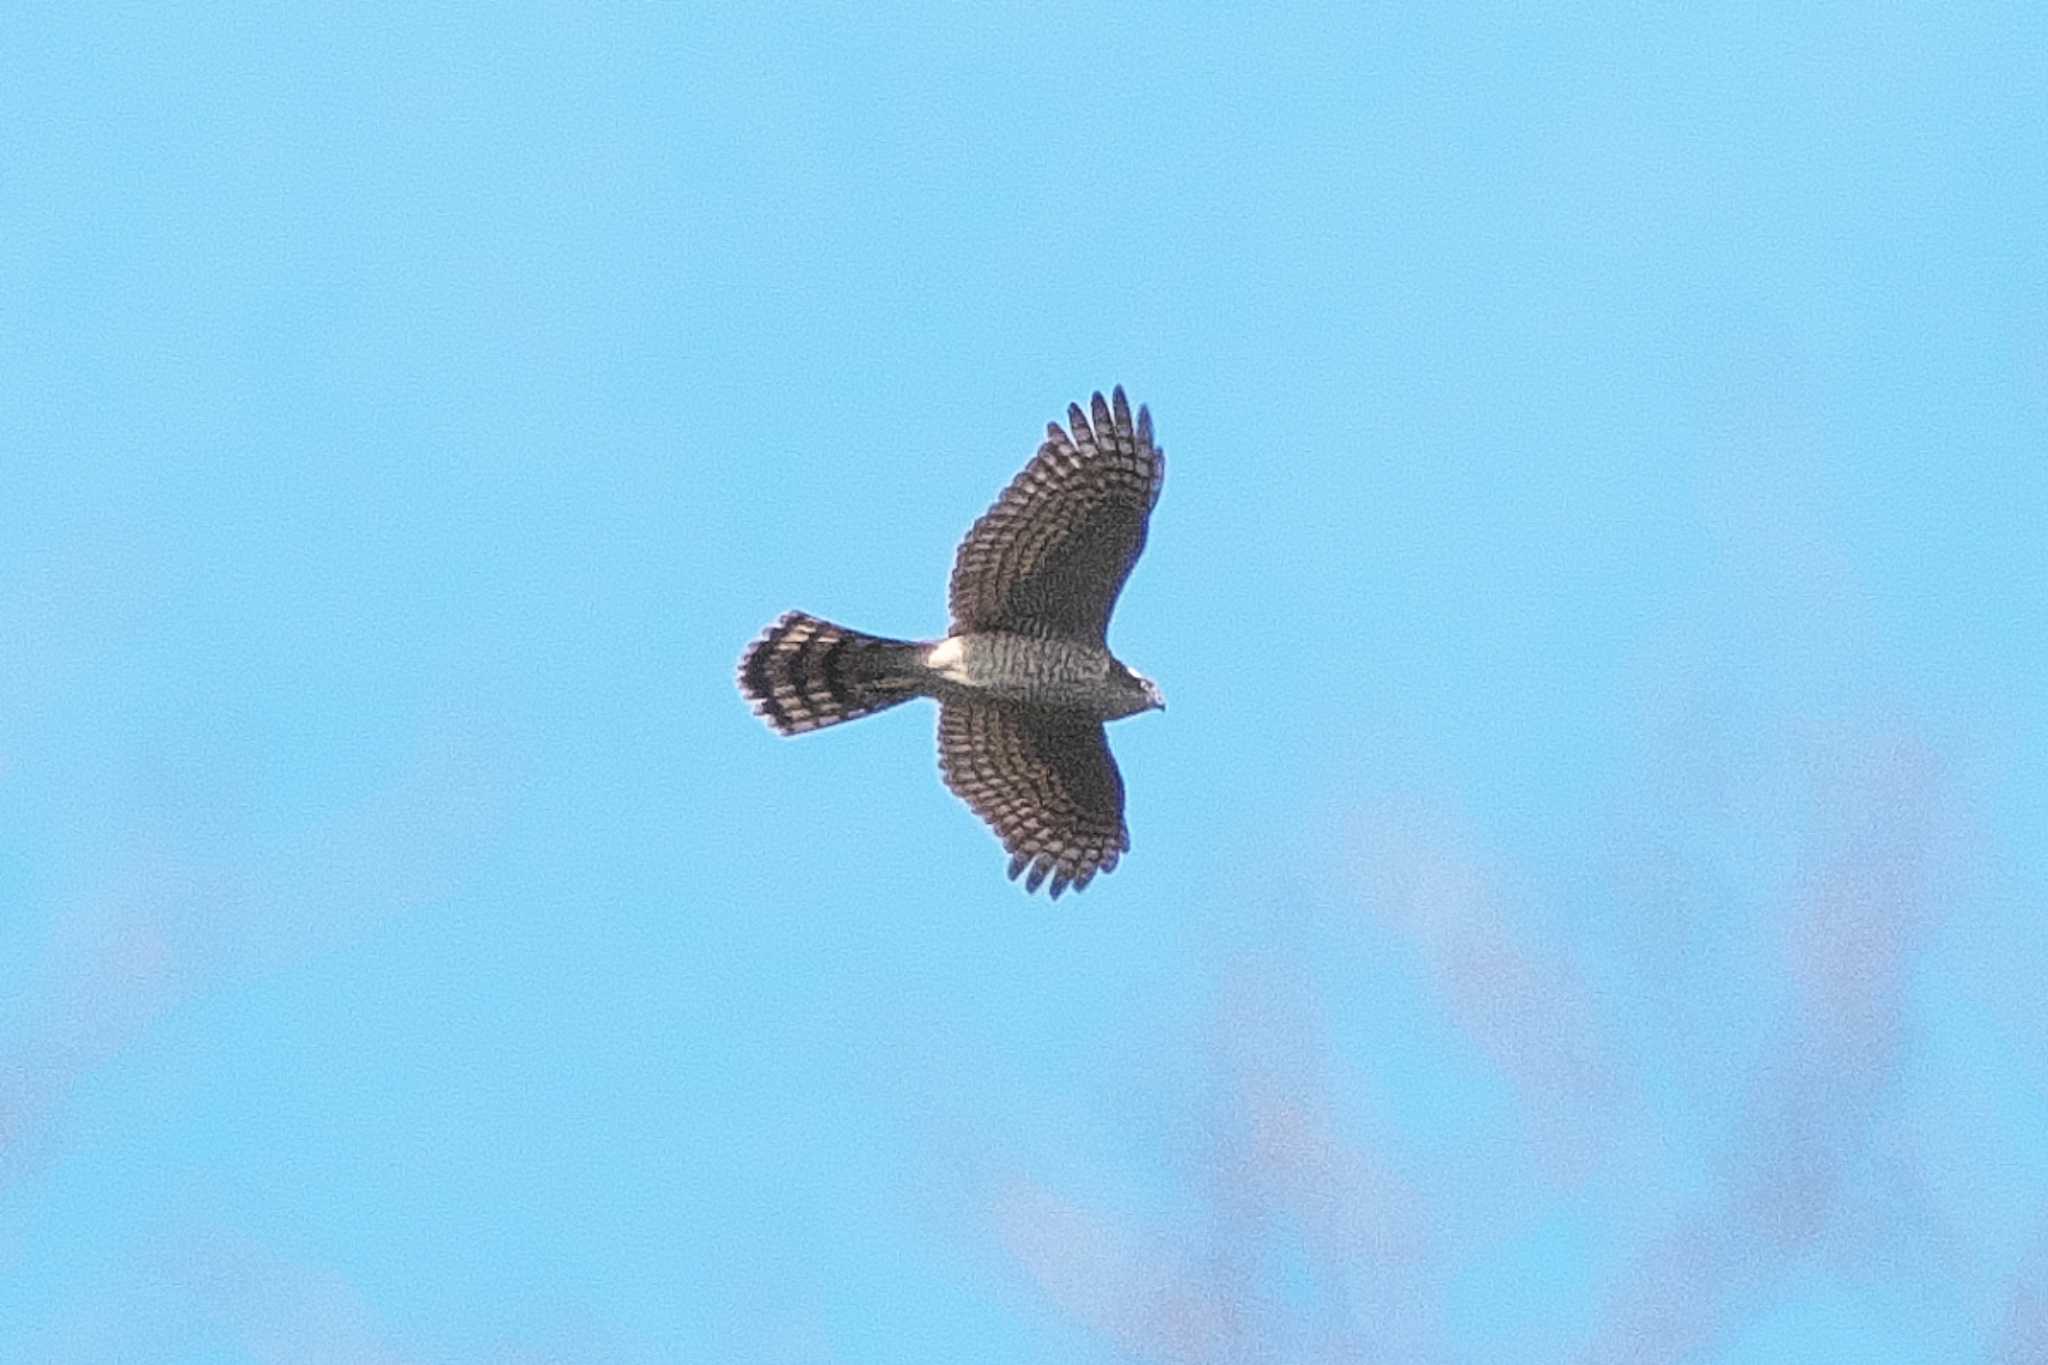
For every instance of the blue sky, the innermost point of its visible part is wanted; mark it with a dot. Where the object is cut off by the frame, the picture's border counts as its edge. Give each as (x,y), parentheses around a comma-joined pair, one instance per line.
(1586,895)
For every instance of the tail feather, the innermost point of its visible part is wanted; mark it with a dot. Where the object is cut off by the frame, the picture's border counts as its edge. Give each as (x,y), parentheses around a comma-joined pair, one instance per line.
(804,674)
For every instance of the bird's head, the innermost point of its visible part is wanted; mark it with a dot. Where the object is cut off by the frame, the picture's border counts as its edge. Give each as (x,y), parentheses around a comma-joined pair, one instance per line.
(1135,692)
(1155,700)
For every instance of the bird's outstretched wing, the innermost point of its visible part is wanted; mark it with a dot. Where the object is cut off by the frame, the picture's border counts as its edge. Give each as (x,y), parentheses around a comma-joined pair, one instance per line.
(1045,783)
(1051,555)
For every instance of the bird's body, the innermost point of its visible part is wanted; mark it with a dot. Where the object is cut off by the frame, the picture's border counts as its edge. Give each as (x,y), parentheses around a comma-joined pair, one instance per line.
(1003,665)
(1025,678)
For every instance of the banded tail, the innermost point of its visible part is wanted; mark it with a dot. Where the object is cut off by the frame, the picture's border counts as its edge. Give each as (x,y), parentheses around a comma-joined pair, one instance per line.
(804,674)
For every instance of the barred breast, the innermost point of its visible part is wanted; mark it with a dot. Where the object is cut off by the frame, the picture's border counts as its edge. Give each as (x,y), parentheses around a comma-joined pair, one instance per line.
(1025,668)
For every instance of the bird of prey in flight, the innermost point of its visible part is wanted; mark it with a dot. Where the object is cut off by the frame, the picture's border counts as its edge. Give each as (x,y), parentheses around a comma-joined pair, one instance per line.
(1024,678)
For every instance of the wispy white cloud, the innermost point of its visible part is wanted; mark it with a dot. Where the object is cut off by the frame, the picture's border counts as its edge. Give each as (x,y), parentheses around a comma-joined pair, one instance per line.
(1302,1244)
(1522,1002)
(1858,913)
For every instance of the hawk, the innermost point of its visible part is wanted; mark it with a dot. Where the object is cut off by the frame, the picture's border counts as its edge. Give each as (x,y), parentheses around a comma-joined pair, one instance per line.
(1024,678)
